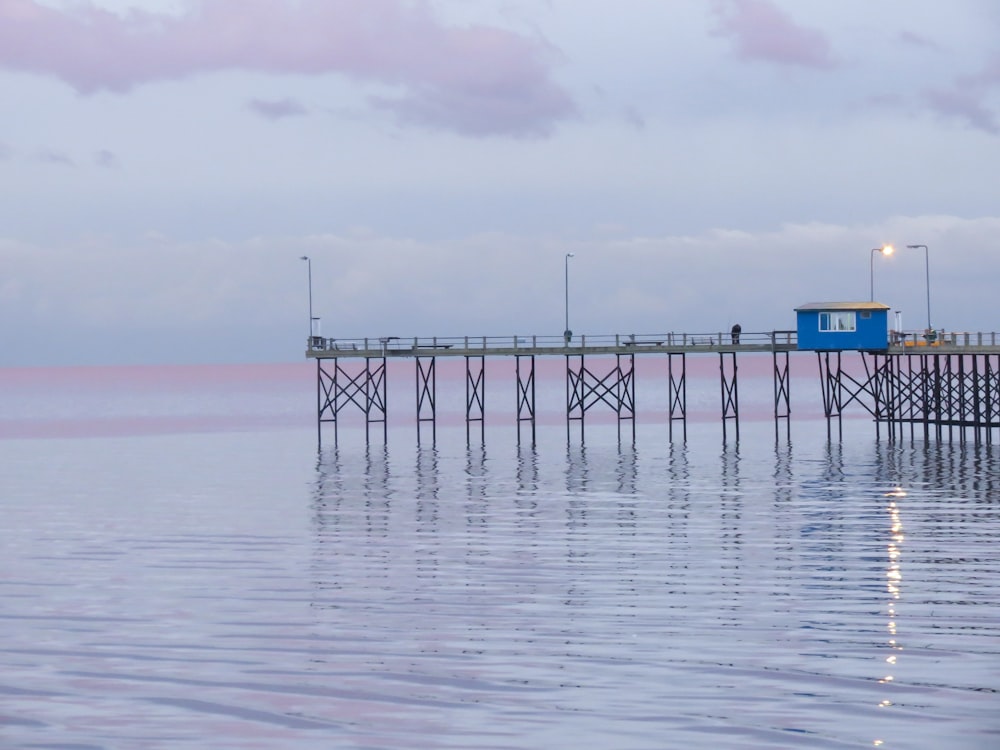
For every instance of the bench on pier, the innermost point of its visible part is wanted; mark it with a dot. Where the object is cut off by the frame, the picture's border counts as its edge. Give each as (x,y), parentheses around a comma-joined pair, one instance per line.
(643,343)
(433,346)
(343,346)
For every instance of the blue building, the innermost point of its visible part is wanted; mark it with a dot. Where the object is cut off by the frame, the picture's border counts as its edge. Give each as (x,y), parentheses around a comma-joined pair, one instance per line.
(843,326)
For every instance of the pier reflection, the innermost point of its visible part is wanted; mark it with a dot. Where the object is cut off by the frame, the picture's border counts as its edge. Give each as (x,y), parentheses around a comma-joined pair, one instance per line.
(751,562)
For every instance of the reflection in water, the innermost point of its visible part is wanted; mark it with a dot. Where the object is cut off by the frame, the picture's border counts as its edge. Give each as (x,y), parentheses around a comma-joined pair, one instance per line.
(427,473)
(894,581)
(527,469)
(577,468)
(730,535)
(672,596)
(612,568)
(627,468)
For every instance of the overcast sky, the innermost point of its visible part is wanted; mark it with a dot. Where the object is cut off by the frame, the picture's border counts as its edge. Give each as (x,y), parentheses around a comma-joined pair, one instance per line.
(165,163)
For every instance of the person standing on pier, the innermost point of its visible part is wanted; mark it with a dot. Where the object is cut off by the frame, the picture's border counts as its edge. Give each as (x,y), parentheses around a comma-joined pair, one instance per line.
(737,328)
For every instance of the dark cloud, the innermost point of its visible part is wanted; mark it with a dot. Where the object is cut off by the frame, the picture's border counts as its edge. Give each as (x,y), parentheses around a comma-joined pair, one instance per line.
(106,159)
(276,109)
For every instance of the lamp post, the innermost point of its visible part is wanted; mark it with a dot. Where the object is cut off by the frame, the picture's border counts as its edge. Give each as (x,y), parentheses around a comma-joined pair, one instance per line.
(567,333)
(885,250)
(309,265)
(927,273)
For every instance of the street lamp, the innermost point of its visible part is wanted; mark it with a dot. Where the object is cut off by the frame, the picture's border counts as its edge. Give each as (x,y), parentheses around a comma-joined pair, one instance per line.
(885,250)
(927,272)
(567,334)
(309,265)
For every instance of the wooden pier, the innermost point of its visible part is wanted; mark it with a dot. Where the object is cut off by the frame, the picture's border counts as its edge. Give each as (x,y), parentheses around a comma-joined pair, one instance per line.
(947,384)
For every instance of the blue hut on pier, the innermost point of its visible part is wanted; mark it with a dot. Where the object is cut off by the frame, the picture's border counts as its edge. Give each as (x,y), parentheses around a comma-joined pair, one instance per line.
(843,326)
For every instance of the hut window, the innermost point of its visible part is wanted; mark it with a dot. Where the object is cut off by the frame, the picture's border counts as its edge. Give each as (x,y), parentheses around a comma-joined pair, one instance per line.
(838,322)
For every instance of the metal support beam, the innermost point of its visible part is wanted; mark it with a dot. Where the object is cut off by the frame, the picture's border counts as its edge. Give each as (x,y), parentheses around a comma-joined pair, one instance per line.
(830,383)
(525,394)
(365,389)
(615,389)
(729,384)
(625,392)
(426,372)
(677,376)
(782,395)
(475,396)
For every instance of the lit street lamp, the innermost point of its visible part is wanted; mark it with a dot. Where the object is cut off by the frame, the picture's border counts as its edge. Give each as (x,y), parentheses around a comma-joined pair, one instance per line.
(927,272)
(309,264)
(885,250)
(567,334)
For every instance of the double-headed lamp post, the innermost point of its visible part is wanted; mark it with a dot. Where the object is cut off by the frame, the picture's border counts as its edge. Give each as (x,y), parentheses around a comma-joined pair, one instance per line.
(927,273)
(309,264)
(567,333)
(885,250)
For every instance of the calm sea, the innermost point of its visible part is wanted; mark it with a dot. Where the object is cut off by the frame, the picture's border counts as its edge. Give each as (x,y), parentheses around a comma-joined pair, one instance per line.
(181,568)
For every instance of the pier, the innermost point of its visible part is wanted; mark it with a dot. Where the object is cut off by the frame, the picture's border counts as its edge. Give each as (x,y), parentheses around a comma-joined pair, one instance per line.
(945,386)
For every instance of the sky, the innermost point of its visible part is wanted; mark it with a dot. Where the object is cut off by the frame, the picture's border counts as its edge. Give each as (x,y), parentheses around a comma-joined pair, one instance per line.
(165,164)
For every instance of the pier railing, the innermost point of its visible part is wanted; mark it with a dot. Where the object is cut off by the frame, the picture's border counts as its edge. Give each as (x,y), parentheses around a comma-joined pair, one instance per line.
(950,340)
(321,347)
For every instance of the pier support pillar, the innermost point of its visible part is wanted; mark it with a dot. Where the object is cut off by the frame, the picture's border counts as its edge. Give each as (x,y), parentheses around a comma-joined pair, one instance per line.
(832,387)
(782,395)
(525,393)
(729,383)
(337,388)
(426,372)
(677,383)
(475,396)
(584,390)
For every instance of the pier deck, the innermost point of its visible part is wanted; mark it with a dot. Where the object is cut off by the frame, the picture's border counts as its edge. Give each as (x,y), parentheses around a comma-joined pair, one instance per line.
(507,346)
(611,344)
(939,379)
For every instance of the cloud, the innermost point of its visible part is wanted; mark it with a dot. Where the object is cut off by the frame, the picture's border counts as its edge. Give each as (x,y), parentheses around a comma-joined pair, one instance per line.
(276,109)
(763,32)
(106,159)
(965,104)
(476,79)
(916,40)
(967,97)
(58,158)
(214,300)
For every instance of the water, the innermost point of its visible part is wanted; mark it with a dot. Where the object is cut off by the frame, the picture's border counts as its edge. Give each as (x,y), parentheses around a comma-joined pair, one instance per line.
(170,584)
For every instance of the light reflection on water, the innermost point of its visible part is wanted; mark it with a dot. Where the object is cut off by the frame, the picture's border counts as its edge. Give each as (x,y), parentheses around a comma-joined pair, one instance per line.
(239,591)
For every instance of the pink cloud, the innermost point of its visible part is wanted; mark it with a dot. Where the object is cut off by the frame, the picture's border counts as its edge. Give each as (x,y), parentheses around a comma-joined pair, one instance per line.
(966,98)
(470,79)
(963,104)
(762,31)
